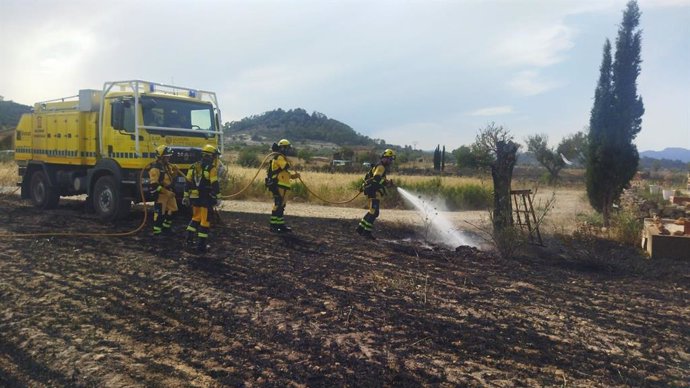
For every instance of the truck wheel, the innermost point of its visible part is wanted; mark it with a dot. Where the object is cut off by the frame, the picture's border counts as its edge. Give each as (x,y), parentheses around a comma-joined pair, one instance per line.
(107,199)
(43,195)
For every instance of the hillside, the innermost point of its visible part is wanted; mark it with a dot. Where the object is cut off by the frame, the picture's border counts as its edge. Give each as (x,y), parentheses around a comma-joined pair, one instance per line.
(671,153)
(10,112)
(296,125)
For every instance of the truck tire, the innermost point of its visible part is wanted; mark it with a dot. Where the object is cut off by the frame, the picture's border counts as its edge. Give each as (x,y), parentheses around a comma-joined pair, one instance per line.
(107,200)
(43,195)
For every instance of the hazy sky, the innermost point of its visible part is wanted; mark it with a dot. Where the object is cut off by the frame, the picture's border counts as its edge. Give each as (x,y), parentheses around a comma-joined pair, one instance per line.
(410,72)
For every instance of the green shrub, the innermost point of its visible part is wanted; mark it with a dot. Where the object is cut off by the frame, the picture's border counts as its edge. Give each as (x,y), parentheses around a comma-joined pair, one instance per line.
(248,158)
(627,229)
(464,197)
(467,197)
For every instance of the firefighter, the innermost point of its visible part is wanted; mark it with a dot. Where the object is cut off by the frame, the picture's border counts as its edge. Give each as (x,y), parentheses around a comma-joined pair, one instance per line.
(162,177)
(201,192)
(278,183)
(374,184)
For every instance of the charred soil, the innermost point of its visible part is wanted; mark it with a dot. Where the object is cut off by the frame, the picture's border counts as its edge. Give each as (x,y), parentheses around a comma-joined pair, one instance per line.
(322,307)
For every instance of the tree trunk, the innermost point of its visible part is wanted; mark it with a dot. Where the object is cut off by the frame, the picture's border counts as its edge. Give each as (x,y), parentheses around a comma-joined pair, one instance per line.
(606,210)
(502,173)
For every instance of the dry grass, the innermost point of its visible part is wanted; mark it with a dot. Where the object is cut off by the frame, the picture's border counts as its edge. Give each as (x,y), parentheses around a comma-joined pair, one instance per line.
(571,204)
(8,173)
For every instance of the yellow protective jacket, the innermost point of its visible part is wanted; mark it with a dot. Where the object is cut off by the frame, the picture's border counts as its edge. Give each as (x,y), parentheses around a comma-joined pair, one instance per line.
(279,172)
(202,185)
(374,181)
(162,177)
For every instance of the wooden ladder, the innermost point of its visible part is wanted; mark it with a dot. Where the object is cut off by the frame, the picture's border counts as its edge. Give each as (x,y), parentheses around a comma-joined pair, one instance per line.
(524,215)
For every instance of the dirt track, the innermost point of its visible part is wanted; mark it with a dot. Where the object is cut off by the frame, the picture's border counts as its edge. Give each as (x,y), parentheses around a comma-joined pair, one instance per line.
(323,308)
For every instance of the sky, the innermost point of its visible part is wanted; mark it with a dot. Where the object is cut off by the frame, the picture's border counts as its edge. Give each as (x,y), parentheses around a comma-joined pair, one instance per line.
(411,72)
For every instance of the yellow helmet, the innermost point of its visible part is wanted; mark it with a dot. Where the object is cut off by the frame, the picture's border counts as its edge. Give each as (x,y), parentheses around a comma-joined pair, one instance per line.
(210,149)
(388,153)
(163,150)
(284,143)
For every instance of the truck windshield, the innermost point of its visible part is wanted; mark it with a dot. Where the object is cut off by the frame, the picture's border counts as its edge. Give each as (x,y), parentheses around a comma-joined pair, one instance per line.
(170,113)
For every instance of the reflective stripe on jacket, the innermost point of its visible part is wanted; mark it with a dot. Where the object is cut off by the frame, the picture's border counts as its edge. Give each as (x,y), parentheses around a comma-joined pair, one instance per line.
(202,181)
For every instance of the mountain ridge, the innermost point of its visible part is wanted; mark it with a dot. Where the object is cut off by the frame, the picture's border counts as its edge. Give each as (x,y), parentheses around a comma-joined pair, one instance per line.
(669,153)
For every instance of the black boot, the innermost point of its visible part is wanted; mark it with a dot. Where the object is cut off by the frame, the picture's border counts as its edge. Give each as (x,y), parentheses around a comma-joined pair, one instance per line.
(201,245)
(190,238)
(367,234)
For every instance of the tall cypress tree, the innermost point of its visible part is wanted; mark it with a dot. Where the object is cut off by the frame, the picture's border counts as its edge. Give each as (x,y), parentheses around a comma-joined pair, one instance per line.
(437,158)
(600,125)
(443,158)
(616,118)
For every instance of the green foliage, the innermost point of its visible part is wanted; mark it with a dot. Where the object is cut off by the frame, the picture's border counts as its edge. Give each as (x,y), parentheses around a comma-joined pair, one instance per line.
(486,144)
(627,228)
(297,125)
(574,147)
(599,153)
(248,157)
(463,197)
(655,165)
(616,118)
(10,113)
(6,140)
(547,157)
(469,196)
(305,154)
(408,154)
(464,157)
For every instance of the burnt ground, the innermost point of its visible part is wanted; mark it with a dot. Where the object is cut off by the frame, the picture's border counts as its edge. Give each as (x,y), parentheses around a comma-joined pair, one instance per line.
(323,308)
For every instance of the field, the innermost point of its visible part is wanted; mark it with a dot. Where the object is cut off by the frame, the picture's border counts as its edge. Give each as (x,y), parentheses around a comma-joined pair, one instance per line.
(323,308)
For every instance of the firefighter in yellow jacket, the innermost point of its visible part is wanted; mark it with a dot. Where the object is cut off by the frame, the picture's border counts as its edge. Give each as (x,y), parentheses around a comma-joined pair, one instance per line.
(374,184)
(201,191)
(162,177)
(278,183)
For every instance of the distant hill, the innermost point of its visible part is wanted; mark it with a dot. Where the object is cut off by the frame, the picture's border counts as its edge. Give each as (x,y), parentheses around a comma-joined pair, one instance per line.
(671,153)
(297,125)
(10,112)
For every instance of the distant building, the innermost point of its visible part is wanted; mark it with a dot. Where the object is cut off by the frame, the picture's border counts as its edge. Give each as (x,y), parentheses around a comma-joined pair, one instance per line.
(340,162)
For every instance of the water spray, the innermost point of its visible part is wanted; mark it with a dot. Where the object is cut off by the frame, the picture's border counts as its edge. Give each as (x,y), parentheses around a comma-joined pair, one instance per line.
(440,228)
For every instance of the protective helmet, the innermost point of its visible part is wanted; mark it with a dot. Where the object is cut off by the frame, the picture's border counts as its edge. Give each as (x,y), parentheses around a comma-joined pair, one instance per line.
(210,149)
(284,143)
(388,153)
(163,150)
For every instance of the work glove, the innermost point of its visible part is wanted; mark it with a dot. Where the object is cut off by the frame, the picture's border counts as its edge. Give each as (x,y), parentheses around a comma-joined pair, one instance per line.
(185,201)
(295,176)
(389,183)
(155,190)
(214,201)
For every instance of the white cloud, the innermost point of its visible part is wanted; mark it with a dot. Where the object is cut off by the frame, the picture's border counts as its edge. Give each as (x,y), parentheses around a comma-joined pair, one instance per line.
(536,45)
(493,111)
(530,83)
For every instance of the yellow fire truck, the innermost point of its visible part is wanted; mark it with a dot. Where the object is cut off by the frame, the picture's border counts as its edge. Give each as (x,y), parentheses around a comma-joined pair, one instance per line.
(97,142)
